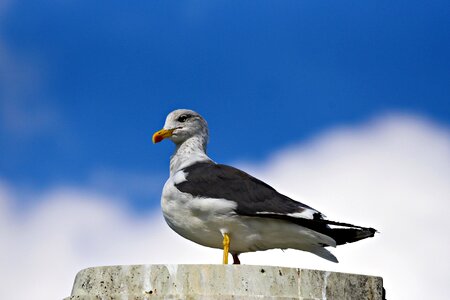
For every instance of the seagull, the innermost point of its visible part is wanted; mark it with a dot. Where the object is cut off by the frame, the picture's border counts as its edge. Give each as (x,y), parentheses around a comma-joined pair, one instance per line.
(222,207)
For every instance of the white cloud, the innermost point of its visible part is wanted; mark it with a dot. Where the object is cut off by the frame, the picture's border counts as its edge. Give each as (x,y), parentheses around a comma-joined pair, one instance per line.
(45,245)
(391,174)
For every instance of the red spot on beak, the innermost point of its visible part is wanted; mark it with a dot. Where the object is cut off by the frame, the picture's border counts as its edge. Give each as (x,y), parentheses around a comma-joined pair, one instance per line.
(162,134)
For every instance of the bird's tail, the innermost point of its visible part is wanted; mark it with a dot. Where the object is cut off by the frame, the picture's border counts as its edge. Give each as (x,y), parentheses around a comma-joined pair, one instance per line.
(344,233)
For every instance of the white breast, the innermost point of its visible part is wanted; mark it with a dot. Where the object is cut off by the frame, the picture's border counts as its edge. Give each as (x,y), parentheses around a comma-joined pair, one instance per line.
(201,220)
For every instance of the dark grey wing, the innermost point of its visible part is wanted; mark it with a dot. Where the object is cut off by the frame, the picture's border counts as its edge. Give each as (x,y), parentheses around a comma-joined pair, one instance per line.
(257,199)
(253,196)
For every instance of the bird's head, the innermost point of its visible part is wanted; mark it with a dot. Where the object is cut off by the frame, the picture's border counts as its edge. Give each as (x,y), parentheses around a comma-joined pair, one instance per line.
(181,125)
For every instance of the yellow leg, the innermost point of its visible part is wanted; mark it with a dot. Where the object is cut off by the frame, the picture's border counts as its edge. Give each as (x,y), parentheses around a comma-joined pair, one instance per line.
(226,248)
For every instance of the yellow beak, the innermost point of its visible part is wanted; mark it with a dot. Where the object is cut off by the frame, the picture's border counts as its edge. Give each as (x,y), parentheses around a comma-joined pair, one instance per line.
(162,134)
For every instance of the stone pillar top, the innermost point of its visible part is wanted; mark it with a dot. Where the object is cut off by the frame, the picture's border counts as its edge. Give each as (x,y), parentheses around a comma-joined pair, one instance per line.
(221,282)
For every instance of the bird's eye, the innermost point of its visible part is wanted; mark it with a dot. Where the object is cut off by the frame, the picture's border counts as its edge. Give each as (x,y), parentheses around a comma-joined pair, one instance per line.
(183,118)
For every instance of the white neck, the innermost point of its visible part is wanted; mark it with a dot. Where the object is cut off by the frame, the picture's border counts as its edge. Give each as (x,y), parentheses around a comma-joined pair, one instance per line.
(187,153)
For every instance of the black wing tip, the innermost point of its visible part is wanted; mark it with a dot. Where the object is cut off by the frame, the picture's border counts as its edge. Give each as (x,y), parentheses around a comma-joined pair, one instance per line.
(330,222)
(370,230)
(348,233)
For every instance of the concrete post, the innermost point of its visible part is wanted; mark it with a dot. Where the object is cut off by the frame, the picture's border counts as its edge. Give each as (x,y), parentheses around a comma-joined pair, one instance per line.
(148,282)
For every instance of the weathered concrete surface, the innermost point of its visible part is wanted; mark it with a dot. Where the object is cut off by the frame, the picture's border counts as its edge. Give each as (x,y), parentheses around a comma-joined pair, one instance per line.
(221,282)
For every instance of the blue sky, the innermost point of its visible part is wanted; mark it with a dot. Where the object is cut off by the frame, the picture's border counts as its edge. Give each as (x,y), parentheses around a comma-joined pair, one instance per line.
(86,83)
(343,105)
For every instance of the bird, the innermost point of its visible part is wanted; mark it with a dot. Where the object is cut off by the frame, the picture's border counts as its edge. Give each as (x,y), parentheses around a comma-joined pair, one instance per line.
(219,206)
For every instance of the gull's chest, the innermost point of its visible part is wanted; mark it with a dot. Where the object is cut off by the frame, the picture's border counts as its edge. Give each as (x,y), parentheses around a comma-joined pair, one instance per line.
(174,203)
(200,219)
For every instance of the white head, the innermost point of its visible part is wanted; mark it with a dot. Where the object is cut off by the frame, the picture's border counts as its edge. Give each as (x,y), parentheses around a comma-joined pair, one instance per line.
(181,125)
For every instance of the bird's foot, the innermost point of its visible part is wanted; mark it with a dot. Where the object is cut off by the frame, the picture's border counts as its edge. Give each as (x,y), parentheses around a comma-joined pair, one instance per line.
(226,248)
(236,260)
